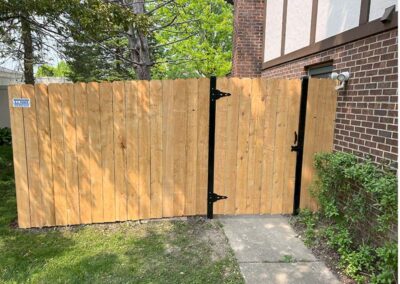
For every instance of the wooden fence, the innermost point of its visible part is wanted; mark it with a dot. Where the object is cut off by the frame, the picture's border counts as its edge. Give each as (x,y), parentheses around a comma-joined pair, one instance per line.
(104,152)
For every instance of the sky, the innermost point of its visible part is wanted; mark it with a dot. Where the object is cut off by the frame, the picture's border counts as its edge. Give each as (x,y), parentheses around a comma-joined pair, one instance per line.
(52,58)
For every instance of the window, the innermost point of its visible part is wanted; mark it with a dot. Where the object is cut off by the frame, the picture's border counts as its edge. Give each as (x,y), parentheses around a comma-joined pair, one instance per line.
(320,71)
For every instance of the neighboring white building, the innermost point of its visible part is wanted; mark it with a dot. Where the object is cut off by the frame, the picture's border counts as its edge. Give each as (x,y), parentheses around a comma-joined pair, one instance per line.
(8,76)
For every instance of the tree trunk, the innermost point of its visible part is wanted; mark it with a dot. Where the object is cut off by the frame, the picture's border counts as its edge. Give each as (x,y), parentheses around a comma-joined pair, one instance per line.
(139,46)
(26,33)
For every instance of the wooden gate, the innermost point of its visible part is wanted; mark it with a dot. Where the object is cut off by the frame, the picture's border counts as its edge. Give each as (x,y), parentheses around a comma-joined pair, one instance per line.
(103,152)
(255,126)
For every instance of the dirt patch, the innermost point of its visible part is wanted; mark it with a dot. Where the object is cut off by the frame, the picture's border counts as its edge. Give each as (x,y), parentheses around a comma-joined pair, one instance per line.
(322,252)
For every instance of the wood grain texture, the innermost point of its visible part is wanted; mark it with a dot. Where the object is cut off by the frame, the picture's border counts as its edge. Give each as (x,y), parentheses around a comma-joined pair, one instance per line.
(320,122)
(271,103)
(243,146)
(83,152)
(71,163)
(168,146)
(180,145)
(45,159)
(156,148)
(19,158)
(95,163)
(144,148)
(132,149)
(232,126)
(57,150)
(192,146)
(32,157)
(202,148)
(121,208)
(107,150)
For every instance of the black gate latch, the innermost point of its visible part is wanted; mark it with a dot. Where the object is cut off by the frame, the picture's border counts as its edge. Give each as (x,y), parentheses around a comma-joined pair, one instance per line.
(213,197)
(217,94)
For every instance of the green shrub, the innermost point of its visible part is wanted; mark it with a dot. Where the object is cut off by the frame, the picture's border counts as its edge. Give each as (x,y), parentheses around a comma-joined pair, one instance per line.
(358,216)
(5,136)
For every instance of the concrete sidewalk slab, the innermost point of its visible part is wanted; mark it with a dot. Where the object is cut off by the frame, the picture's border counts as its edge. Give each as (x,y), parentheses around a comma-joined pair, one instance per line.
(268,251)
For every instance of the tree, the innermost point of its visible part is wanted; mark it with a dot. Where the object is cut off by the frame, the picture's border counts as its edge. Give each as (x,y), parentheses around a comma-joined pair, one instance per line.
(61,70)
(185,38)
(206,49)
(29,28)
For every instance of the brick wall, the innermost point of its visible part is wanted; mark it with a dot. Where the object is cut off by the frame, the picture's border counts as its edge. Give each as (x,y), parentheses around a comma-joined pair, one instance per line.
(366,118)
(248,38)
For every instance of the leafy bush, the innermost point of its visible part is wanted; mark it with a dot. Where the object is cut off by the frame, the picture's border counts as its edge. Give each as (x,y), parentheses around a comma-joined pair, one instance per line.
(357,217)
(5,136)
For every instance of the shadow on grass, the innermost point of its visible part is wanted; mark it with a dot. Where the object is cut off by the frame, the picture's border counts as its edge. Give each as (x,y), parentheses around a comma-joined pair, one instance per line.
(22,252)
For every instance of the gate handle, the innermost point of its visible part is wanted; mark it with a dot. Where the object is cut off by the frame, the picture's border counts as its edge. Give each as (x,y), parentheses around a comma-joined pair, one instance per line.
(295,148)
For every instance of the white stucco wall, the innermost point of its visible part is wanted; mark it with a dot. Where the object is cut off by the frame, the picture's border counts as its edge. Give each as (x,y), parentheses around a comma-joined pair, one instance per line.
(336,16)
(298,24)
(273,29)
(378,7)
(4,110)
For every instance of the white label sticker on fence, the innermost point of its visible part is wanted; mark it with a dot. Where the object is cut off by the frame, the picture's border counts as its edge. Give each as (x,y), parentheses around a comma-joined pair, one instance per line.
(21,102)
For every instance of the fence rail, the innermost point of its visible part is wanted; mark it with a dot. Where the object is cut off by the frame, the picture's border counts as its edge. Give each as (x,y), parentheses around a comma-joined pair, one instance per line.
(104,152)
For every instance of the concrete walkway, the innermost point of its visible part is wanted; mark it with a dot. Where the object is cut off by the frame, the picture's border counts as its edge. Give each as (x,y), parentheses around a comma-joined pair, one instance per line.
(268,251)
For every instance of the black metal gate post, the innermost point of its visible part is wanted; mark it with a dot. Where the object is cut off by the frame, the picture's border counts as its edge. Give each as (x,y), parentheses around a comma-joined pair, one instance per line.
(299,148)
(211,196)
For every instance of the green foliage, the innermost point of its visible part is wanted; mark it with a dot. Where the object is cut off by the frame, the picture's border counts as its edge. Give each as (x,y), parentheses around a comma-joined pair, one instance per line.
(207,27)
(89,62)
(5,136)
(61,70)
(346,188)
(358,204)
(61,22)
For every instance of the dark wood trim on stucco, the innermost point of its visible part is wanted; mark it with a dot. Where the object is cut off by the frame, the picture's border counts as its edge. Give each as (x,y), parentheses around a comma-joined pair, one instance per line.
(284,20)
(364,13)
(314,14)
(264,27)
(354,34)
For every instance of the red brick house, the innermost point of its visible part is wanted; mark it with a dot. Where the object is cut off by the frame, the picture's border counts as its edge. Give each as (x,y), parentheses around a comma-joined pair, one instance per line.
(293,38)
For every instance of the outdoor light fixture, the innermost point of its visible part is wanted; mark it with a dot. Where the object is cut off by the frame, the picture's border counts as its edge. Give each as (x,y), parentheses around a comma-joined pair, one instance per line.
(342,78)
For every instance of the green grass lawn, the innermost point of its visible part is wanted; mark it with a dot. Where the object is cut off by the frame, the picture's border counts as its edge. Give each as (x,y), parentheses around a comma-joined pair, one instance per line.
(192,251)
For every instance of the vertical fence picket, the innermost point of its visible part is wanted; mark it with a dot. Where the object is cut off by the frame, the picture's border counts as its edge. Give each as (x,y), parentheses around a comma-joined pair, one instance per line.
(71,163)
(107,150)
(83,152)
(168,149)
(45,157)
(180,130)
(202,144)
(144,148)
(191,150)
(271,103)
(132,149)
(32,157)
(119,151)
(20,164)
(57,152)
(243,146)
(95,156)
(156,148)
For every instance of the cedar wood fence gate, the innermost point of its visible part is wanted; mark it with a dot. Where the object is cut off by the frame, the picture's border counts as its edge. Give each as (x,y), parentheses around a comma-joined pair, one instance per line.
(104,152)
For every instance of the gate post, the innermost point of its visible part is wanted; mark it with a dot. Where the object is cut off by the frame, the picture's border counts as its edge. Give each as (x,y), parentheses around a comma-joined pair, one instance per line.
(299,148)
(211,196)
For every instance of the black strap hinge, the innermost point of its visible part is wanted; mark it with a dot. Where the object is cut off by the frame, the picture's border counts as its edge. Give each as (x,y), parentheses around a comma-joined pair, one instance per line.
(217,94)
(213,197)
